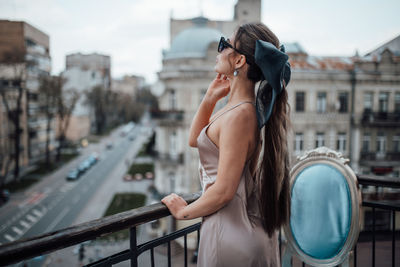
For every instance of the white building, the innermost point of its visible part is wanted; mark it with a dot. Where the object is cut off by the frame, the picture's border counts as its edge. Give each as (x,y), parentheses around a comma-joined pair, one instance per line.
(83,72)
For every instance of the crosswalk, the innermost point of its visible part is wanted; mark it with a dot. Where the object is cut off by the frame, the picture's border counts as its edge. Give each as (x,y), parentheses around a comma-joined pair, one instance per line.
(24,224)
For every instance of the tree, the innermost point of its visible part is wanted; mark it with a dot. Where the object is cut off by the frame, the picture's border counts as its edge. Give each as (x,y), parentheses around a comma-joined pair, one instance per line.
(48,96)
(12,91)
(97,97)
(146,97)
(65,104)
(128,108)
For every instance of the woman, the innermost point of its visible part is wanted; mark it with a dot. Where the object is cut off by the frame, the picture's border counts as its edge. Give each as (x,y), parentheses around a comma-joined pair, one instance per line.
(243,153)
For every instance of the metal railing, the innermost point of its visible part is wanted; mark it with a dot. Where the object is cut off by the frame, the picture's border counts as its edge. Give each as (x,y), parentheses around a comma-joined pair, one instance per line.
(25,249)
(382,119)
(392,206)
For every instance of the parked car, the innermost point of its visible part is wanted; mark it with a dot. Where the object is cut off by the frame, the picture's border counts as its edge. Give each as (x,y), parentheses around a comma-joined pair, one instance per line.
(85,165)
(92,160)
(95,155)
(73,175)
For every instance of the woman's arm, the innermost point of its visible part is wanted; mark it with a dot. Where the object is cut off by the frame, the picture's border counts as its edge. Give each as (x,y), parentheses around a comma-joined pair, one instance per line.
(218,88)
(234,140)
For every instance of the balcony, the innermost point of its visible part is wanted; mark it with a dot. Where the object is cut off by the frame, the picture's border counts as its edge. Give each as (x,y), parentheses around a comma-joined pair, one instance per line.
(169,158)
(365,252)
(168,117)
(380,119)
(380,158)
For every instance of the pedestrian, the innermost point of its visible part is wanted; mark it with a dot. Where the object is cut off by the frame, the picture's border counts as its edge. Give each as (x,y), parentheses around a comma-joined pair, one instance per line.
(244,163)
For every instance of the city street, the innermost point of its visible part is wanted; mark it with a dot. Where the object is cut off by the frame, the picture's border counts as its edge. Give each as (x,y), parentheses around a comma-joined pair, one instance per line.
(55,203)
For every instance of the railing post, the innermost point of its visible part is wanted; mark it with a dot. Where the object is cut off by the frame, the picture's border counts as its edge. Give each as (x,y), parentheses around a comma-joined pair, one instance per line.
(133,247)
(393,237)
(373,237)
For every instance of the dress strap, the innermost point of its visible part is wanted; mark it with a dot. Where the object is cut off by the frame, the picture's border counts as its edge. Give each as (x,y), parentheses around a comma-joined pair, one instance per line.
(238,104)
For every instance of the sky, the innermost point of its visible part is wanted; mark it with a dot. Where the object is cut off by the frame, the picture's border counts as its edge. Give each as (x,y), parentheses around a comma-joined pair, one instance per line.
(134,32)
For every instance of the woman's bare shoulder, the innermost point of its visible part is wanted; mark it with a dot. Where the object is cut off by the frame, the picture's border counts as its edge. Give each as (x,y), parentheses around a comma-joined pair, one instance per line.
(243,118)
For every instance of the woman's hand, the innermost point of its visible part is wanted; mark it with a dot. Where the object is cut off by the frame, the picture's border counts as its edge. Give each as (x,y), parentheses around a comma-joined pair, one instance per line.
(218,88)
(175,204)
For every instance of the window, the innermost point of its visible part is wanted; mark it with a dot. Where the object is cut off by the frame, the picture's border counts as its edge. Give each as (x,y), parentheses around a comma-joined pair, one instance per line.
(173,145)
(366,142)
(300,101)
(397,102)
(298,142)
(172,178)
(381,143)
(383,102)
(396,143)
(172,100)
(341,142)
(343,99)
(368,101)
(320,140)
(321,102)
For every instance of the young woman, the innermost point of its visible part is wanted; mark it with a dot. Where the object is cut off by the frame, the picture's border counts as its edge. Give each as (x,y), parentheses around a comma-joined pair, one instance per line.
(244,169)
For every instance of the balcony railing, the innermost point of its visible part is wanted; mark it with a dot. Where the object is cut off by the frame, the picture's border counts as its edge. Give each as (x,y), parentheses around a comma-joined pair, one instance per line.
(170,158)
(380,156)
(175,115)
(381,119)
(25,249)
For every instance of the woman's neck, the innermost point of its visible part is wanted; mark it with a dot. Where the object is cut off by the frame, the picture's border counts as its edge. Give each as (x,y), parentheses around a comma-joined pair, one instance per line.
(242,89)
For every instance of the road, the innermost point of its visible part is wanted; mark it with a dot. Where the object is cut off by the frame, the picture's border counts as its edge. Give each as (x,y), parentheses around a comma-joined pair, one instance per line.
(55,203)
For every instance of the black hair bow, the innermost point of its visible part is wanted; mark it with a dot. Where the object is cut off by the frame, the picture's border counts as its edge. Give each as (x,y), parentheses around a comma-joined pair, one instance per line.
(276,69)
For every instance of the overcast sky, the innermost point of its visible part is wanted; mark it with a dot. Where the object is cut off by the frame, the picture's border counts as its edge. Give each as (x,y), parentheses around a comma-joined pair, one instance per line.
(134,32)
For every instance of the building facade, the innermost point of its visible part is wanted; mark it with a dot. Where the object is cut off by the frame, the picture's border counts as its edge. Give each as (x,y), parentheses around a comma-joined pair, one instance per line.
(128,85)
(82,73)
(350,105)
(377,110)
(27,44)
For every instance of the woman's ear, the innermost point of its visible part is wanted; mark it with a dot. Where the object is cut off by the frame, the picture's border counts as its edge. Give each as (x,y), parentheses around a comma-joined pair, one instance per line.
(240,61)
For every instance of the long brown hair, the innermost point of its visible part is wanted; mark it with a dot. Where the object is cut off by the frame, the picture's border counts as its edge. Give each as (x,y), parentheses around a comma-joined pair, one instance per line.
(272,167)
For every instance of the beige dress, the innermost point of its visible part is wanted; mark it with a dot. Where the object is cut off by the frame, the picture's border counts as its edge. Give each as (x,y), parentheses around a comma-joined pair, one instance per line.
(232,236)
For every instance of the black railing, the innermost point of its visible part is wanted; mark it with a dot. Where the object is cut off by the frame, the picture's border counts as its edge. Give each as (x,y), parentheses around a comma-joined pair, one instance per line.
(171,115)
(374,201)
(25,249)
(380,119)
(28,248)
(380,156)
(170,158)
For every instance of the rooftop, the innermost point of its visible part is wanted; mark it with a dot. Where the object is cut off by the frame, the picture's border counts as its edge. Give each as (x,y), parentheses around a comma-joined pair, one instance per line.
(194,41)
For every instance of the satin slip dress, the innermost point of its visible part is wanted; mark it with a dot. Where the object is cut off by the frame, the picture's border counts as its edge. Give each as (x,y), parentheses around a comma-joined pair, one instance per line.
(232,236)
